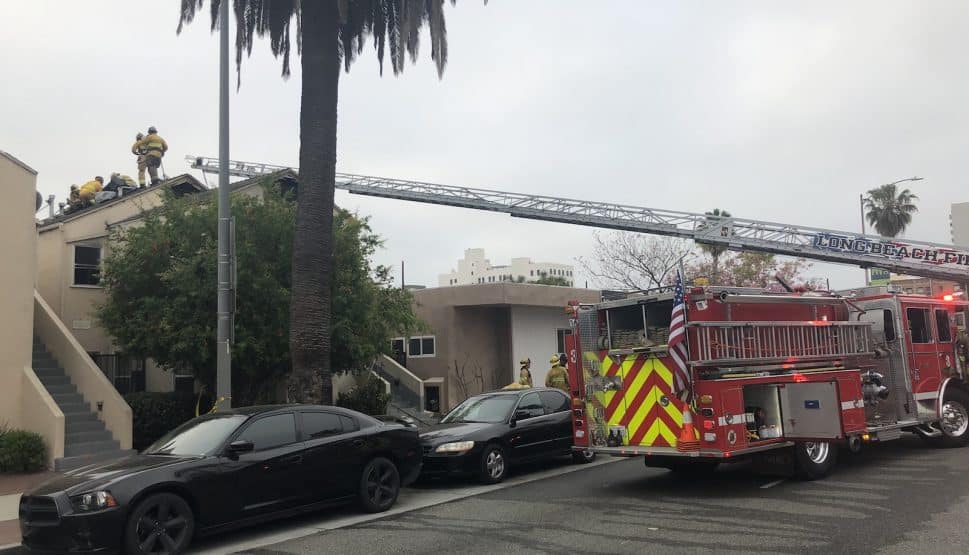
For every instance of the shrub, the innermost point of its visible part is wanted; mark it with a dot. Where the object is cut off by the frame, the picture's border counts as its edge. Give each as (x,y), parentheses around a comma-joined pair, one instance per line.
(22,451)
(154,414)
(368,397)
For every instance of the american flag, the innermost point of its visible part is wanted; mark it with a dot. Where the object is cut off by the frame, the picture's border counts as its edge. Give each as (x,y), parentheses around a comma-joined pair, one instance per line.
(677,341)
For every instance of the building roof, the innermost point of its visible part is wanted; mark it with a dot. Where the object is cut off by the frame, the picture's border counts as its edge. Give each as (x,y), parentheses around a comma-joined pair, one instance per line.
(17,161)
(285,176)
(505,294)
(180,185)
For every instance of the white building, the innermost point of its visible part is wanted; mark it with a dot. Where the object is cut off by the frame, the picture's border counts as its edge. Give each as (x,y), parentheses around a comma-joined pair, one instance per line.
(474,268)
(959,223)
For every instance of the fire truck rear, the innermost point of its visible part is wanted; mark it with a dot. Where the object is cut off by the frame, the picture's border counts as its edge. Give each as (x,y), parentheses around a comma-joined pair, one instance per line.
(783,378)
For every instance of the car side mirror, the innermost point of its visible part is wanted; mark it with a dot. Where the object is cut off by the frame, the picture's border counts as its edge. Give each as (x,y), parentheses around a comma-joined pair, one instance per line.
(241,446)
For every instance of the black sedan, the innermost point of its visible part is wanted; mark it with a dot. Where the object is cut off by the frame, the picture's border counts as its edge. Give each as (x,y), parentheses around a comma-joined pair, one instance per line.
(222,471)
(487,433)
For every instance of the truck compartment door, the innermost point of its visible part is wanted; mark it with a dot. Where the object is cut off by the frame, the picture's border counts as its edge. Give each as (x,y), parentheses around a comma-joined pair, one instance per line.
(810,410)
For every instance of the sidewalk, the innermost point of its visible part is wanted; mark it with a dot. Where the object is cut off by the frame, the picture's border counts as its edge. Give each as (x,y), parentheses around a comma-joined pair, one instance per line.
(11,486)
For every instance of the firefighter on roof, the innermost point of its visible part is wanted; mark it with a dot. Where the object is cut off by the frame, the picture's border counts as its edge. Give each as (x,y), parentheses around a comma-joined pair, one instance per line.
(557,376)
(89,189)
(139,151)
(155,148)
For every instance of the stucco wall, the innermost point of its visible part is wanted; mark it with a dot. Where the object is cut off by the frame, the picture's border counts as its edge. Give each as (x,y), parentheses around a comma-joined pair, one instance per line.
(17,275)
(533,332)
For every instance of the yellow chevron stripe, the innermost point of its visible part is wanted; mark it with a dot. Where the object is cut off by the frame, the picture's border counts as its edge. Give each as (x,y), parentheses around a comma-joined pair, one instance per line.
(674,413)
(664,372)
(604,365)
(668,434)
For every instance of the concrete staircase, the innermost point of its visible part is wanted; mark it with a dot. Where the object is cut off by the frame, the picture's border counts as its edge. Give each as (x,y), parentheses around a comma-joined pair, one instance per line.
(86,440)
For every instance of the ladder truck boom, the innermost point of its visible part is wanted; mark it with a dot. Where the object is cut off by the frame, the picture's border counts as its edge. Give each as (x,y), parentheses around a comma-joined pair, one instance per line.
(919,258)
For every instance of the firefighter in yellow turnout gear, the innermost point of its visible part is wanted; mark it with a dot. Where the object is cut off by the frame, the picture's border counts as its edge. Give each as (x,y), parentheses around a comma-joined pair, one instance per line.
(558,376)
(524,376)
(154,148)
(139,151)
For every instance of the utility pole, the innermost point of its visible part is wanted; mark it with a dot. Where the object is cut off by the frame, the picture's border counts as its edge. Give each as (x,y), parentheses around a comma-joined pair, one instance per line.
(223,380)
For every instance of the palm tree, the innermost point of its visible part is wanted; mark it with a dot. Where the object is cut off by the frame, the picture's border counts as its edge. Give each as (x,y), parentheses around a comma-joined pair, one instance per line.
(889,210)
(328,33)
(715,251)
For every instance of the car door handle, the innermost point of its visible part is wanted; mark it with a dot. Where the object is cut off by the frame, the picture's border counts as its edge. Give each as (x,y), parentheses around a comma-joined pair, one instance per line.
(358,443)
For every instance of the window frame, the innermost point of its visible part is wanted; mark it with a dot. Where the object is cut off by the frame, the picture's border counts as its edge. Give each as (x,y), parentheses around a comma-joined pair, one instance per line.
(421,339)
(519,404)
(567,402)
(926,324)
(304,436)
(948,326)
(240,435)
(97,267)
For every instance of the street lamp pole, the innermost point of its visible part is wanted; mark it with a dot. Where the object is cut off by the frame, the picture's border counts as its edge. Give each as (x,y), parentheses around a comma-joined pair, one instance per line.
(861,202)
(223,379)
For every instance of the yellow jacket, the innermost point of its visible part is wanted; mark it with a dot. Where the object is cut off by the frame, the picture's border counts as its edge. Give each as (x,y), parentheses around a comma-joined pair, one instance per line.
(154,145)
(558,377)
(136,148)
(89,188)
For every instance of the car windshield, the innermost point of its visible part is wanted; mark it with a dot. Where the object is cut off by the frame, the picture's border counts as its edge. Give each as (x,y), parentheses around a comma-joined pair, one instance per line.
(489,408)
(197,437)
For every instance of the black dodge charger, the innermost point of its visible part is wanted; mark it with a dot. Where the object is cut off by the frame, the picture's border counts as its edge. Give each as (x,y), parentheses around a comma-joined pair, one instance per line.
(222,471)
(487,433)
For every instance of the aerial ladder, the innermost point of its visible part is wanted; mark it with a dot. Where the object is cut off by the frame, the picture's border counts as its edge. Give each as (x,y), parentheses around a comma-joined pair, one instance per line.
(917,258)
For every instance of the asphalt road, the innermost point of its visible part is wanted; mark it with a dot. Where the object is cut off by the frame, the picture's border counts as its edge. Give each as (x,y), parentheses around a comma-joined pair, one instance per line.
(901,497)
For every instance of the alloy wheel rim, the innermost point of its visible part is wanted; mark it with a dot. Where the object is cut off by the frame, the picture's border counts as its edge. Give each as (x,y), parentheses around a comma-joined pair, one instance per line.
(955,419)
(495,464)
(161,529)
(380,484)
(817,452)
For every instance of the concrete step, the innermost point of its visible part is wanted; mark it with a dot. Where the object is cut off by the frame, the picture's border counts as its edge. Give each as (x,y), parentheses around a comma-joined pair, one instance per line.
(49,381)
(76,425)
(67,398)
(61,389)
(87,436)
(91,448)
(74,462)
(48,372)
(75,408)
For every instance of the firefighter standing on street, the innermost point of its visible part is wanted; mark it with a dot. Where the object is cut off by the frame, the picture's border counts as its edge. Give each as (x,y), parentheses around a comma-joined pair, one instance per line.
(558,376)
(154,147)
(139,151)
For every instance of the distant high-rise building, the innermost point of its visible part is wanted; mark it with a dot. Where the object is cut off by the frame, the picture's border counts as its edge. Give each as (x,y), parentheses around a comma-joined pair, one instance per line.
(474,268)
(959,223)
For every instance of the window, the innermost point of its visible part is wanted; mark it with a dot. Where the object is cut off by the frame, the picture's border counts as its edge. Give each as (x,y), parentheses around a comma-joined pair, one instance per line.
(349,424)
(272,431)
(942,325)
(87,265)
(397,345)
(321,424)
(531,273)
(421,346)
(889,325)
(184,383)
(554,401)
(560,336)
(918,325)
(530,406)
(126,373)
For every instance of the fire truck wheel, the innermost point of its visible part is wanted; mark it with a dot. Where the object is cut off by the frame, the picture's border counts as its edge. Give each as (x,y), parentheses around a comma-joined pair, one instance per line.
(955,418)
(815,459)
(583,457)
(494,465)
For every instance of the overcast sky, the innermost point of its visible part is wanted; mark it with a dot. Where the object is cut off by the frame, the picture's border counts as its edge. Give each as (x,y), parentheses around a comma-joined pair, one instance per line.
(778,111)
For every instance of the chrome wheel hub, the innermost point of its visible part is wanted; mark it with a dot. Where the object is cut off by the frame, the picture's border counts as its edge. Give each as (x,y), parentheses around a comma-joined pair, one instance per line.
(495,464)
(955,419)
(817,451)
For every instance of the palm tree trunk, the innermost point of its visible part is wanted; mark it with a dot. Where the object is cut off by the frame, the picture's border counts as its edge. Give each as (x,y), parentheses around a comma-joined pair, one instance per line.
(309,332)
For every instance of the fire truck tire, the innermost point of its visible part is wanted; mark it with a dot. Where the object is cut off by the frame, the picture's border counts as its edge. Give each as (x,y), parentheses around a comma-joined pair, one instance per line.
(493,466)
(583,457)
(955,418)
(815,459)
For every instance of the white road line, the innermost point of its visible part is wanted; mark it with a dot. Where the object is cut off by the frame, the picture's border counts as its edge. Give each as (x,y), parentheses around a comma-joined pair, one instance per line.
(772,484)
(411,499)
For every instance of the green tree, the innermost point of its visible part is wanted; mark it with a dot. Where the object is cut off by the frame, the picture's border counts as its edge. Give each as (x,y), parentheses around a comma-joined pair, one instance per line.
(752,269)
(713,218)
(890,210)
(159,277)
(551,280)
(328,33)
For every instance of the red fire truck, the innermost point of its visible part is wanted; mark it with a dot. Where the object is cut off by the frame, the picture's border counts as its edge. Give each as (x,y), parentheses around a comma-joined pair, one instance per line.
(777,377)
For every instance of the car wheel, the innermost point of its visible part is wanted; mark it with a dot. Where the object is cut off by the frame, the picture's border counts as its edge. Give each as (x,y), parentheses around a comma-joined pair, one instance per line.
(583,457)
(379,485)
(955,418)
(494,465)
(161,523)
(815,459)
